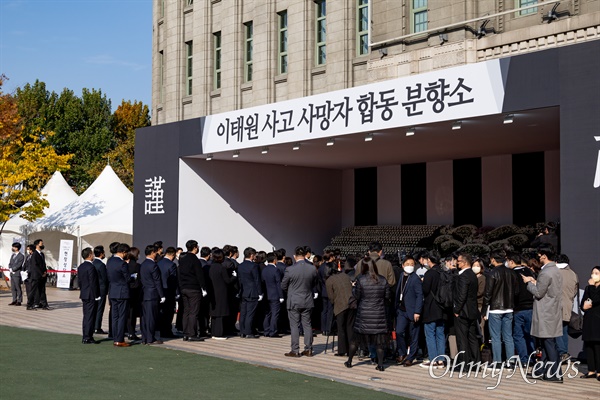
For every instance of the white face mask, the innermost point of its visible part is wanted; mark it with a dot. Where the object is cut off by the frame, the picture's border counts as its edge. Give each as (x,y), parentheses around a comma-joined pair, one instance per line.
(409,269)
(596,278)
(506,264)
(476,269)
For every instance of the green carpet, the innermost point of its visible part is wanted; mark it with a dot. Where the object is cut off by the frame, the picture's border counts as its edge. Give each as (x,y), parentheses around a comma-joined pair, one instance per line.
(42,365)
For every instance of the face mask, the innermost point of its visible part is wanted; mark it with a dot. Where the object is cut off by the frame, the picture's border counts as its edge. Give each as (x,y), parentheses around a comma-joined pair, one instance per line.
(506,264)
(596,278)
(477,269)
(409,269)
(42,247)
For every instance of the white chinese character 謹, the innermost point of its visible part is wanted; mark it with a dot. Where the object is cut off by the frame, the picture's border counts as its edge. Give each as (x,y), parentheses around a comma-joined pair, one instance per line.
(154,203)
(597,177)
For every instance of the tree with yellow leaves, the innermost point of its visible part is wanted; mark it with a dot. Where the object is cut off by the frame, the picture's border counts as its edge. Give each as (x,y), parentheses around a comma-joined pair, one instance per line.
(26,163)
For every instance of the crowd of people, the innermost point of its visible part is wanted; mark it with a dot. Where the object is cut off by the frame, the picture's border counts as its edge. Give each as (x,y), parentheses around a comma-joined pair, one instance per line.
(413,309)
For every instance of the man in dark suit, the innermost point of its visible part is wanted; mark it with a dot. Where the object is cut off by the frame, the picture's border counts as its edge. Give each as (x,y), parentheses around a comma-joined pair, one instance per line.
(37,275)
(153,295)
(284,322)
(409,305)
(89,294)
(99,255)
(168,277)
(272,280)
(251,292)
(118,293)
(15,265)
(193,288)
(300,281)
(204,317)
(466,312)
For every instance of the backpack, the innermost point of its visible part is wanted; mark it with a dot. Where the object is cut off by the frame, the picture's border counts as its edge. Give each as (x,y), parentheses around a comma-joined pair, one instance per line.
(444,293)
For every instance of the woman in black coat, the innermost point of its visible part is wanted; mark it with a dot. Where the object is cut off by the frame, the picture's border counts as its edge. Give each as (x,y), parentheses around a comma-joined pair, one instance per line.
(590,304)
(371,290)
(219,300)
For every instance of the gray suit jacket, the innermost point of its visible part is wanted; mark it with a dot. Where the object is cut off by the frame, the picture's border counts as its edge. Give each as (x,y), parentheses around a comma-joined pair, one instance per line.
(16,263)
(300,281)
(547,305)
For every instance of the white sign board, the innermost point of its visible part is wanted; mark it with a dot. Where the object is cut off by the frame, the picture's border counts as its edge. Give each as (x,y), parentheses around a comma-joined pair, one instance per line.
(65,261)
(451,94)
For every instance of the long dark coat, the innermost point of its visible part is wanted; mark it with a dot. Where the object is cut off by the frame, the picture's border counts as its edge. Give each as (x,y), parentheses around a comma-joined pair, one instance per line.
(591,318)
(371,296)
(220,282)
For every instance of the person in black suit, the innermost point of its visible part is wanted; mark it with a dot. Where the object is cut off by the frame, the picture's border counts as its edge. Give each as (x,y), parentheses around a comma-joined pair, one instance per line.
(89,294)
(168,277)
(272,280)
(204,318)
(409,306)
(99,255)
(153,295)
(37,275)
(251,292)
(466,312)
(192,287)
(231,264)
(118,293)
(221,282)
(327,309)
(134,306)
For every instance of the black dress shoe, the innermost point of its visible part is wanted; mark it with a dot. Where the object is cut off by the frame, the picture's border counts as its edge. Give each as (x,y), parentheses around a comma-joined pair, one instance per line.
(292,354)
(307,353)
(251,337)
(589,376)
(18,303)
(133,337)
(100,332)
(13,303)
(89,341)
(195,339)
(31,308)
(348,364)
(381,367)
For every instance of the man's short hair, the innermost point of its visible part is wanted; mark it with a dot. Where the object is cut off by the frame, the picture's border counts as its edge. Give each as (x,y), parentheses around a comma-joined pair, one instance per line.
(434,256)
(466,256)
(514,257)
(280,254)
(249,252)
(205,252)
(190,245)
(123,248)
(36,242)
(113,247)
(499,256)
(375,246)
(158,244)
(98,250)
(548,251)
(86,253)
(170,251)
(271,258)
(300,251)
(562,259)
(17,245)
(31,247)
(151,248)
(218,256)
(307,250)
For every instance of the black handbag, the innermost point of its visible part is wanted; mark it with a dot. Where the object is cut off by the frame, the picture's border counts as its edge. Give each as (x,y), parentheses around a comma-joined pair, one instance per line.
(575,328)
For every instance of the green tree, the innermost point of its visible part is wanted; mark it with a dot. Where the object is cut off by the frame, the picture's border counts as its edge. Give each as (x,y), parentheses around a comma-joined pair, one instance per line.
(26,163)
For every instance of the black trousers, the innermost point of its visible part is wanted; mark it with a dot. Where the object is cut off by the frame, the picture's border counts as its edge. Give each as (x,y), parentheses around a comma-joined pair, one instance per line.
(100,312)
(217,325)
(134,310)
(271,317)
(592,351)
(42,290)
(326,315)
(33,294)
(466,339)
(118,309)
(191,309)
(179,318)
(89,318)
(167,311)
(247,311)
(345,326)
(149,320)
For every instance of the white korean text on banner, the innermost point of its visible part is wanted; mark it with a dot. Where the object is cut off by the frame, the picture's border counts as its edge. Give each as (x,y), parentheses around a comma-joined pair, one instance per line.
(451,94)
(65,261)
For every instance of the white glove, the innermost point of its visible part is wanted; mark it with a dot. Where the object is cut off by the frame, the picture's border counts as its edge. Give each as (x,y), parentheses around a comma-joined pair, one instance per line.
(134,275)
(97,298)
(316,295)
(204,293)
(281,300)
(234,273)
(260,297)
(177,297)
(162,300)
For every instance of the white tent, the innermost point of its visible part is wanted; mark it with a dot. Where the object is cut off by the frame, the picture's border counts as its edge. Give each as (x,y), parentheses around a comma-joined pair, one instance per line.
(58,193)
(101,215)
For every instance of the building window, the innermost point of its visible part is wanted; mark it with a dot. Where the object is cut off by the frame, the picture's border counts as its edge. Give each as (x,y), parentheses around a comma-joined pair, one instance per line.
(162,8)
(362,27)
(161,77)
(217,58)
(282,48)
(188,68)
(320,32)
(189,2)
(523,3)
(248,51)
(418,15)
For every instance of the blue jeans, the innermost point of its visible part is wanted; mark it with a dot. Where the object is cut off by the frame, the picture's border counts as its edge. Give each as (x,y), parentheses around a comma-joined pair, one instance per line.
(436,341)
(501,330)
(562,342)
(524,343)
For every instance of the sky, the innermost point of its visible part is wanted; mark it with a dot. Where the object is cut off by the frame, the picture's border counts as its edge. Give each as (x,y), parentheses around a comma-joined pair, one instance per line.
(101,44)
